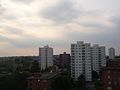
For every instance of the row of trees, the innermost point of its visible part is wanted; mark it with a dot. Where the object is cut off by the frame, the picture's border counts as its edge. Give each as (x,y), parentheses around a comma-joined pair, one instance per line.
(17,79)
(65,82)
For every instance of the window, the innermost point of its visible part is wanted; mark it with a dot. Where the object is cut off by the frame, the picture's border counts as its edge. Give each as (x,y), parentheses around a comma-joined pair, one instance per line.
(109,88)
(108,77)
(45,89)
(108,71)
(44,80)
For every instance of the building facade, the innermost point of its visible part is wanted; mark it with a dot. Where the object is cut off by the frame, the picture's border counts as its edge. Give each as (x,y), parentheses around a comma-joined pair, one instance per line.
(81,60)
(40,81)
(98,57)
(111,53)
(46,57)
(111,76)
(86,58)
(64,59)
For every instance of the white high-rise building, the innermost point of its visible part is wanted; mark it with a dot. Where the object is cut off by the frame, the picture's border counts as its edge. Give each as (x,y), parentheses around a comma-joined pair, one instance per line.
(85,58)
(46,57)
(111,53)
(81,60)
(98,57)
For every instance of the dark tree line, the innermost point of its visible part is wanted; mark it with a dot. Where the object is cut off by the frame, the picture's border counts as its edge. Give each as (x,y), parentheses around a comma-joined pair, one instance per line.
(17,80)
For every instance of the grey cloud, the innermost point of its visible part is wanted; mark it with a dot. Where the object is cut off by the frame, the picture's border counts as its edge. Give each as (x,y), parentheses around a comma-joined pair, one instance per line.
(103,35)
(4,14)
(63,12)
(2,10)
(20,43)
(3,39)
(94,22)
(26,41)
(91,24)
(24,1)
(10,17)
(12,30)
(116,20)
(108,38)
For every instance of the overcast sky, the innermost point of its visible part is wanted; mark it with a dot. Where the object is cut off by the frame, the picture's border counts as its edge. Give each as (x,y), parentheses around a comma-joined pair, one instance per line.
(26,25)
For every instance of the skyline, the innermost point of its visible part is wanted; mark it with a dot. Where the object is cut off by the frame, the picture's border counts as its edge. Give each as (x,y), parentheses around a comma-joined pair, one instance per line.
(27,25)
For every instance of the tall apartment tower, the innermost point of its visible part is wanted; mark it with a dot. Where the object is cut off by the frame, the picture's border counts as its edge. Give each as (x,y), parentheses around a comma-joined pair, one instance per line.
(81,60)
(111,53)
(98,57)
(46,57)
(85,58)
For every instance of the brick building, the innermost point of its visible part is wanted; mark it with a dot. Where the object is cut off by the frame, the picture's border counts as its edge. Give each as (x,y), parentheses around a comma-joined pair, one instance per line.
(111,76)
(40,82)
(64,59)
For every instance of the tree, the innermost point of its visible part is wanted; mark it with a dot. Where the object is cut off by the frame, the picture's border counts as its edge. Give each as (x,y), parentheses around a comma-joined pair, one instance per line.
(20,80)
(35,67)
(97,81)
(62,82)
(95,75)
(81,77)
(80,84)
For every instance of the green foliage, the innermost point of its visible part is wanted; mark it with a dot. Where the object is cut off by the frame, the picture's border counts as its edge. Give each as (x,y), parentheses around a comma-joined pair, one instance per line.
(98,84)
(13,74)
(16,81)
(81,77)
(80,84)
(20,80)
(62,82)
(5,83)
(35,67)
(95,75)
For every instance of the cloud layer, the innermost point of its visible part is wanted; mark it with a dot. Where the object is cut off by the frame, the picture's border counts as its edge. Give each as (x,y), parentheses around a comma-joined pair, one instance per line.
(28,24)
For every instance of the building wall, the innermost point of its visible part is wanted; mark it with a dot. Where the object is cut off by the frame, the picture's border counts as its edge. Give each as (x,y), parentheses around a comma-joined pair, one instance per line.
(46,57)
(49,57)
(43,60)
(81,60)
(88,72)
(85,58)
(95,58)
(32,84)
(39,84)
(102,57)
(111,53)
(65,59)
(111,76)
(98,57)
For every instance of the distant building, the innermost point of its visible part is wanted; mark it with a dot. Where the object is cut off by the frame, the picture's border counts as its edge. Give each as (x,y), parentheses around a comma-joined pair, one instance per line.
(111,76)
(46,57)
(98,57)
(40,81)
(65,59)
(111,53)
(85,58)
(81,60)
(56,60)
